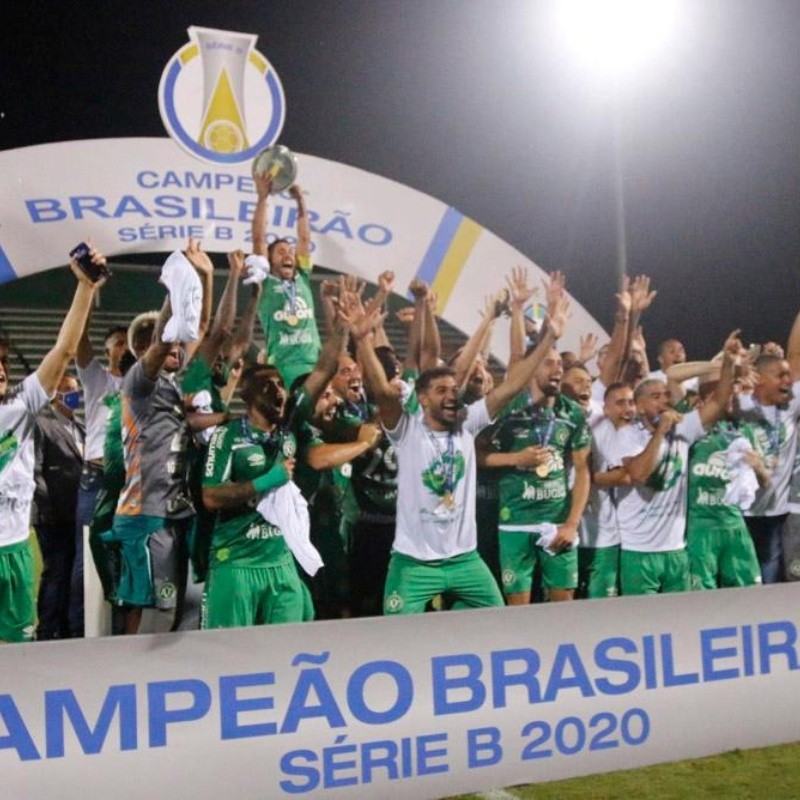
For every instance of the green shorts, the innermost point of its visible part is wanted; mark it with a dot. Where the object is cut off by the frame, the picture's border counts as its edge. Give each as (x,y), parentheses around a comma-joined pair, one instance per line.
(153,559)
(519,556)
(17,607)
(721,555)
(654,573)
(411,583)
(243,596)
(598,572)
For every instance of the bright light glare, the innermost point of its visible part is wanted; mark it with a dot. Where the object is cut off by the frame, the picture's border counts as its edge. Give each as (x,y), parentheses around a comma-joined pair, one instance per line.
(616,36)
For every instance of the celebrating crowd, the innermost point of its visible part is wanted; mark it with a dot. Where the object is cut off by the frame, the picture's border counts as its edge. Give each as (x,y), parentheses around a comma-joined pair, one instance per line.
(355,484)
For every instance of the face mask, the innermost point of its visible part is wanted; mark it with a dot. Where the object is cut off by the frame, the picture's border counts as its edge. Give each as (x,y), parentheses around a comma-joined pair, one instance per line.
(71,400)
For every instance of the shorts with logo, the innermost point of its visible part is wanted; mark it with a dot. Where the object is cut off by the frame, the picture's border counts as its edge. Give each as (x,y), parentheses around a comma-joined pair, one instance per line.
(154,560)
(598,572)
(721,555)
(411,583)
(242,596)
(17,607)
(654,573)
(519,556)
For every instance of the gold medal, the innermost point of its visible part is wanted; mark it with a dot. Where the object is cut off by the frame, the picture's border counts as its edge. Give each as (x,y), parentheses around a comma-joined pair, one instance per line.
(291,319)
(449,501)
(543,470)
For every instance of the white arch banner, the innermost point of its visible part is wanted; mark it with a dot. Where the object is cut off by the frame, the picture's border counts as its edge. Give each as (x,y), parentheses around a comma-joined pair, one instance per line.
(137,195)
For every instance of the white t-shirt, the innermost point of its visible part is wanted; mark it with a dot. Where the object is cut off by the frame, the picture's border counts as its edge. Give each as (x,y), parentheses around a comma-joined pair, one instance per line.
(652,518)
(598,526)
(17,455)
(429,527)
(97,384)
(775,430)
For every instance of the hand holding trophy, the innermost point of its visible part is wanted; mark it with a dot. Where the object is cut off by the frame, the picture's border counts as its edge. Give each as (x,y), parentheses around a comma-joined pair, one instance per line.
(278,163)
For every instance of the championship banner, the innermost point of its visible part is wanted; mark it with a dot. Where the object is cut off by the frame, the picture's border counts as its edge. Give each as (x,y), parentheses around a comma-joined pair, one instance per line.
(141,195)
(416,707)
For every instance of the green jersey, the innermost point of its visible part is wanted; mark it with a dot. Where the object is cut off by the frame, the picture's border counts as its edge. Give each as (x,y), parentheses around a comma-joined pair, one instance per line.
(286,312)
(540,494)
(239,453)
(709,476)
(198,377)
(374,474)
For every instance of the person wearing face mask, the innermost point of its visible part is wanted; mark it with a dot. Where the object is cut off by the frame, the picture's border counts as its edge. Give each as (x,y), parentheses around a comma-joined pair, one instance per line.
(59,445)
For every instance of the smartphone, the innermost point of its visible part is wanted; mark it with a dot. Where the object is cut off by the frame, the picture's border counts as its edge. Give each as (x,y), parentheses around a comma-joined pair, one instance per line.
(81,255)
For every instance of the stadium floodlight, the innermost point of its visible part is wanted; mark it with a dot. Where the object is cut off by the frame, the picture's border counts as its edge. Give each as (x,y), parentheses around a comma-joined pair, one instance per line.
(614,37)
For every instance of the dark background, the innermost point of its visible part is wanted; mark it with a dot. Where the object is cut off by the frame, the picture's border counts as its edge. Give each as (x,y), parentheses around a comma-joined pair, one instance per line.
(475,103)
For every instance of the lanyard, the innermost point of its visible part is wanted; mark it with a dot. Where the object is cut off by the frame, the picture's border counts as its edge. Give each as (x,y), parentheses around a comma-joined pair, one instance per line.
(290,289)
(546,434)
(774,428)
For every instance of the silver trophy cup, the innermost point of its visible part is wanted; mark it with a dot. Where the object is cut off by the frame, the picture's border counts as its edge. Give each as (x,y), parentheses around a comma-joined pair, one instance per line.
(279,163)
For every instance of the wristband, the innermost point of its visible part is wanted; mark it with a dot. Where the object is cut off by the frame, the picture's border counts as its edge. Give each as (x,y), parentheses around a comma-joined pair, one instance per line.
(272,479)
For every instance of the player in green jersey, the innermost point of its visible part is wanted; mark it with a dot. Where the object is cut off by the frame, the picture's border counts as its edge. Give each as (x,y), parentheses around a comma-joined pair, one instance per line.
(286,310)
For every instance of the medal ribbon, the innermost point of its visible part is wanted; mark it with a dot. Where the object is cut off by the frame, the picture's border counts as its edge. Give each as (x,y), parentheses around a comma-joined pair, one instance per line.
(774,428)
(290,289)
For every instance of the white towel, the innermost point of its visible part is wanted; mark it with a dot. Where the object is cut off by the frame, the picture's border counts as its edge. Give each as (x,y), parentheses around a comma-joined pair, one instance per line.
(257,269)
(287,509)
(547,533)
(201,404)
(743,483)
(185,297)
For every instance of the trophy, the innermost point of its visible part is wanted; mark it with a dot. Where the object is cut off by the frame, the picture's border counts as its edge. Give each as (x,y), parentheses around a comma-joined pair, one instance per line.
(279,163)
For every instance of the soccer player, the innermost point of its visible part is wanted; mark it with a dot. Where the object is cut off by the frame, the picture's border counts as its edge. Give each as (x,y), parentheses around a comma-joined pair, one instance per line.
(252,578)
(534,442)
(435,540)
(651,513)
(286,310)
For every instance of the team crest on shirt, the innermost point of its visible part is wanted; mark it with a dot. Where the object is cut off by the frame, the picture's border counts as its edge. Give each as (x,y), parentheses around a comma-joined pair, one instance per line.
(561,437)
(289,448)
(435,477)
(393,603)
(9,445)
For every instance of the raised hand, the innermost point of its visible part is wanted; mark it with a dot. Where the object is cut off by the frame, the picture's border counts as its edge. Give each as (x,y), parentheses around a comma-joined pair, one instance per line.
(519,293)
(406,315)
(624,299)
(236,261)
(386,281)
(418,289)
(641,296)
(588,347)
(199,259)
(263,185)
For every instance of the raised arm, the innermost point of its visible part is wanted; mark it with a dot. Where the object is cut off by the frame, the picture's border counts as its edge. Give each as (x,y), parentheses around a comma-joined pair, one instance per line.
(56,361)
(520,374)
(243,335)
(205,270)
(155,355)
(466,358)
(327,363)
(303,248)
(85,352)
(221,334)
(430,343)
(519,295)
(717,405)
(258,226)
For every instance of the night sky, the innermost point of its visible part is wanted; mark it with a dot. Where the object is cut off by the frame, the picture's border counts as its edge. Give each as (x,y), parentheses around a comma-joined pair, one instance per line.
(476,103)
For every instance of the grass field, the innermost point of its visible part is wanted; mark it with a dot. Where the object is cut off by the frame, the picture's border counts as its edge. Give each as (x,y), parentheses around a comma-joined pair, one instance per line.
(771,773)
